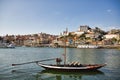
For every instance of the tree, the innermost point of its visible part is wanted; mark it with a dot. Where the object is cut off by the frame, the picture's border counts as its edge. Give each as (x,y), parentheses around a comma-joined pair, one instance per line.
(82,38)
(1,38)
(8,41)
(114,40)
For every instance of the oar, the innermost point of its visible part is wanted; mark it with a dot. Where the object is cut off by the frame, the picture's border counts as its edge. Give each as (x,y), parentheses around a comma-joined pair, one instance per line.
(33,62)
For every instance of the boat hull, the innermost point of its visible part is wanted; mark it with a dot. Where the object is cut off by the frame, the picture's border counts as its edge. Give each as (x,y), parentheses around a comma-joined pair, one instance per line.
(73,73)
(71,68)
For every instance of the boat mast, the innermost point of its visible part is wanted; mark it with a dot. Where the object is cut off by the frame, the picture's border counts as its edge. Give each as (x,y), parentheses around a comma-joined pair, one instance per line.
(65,45)
(65,51)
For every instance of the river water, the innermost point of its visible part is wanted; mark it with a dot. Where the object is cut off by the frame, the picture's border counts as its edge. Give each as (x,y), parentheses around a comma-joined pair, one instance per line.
(35,72)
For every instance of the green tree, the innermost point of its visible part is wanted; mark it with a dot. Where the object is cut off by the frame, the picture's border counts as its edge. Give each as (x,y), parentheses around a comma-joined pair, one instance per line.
(82,38)
(114,40)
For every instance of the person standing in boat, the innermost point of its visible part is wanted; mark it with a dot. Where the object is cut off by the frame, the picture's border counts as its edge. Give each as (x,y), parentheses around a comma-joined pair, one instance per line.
(58,61)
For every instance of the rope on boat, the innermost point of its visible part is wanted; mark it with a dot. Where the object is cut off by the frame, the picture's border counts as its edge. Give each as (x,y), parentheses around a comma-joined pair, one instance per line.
(33,62)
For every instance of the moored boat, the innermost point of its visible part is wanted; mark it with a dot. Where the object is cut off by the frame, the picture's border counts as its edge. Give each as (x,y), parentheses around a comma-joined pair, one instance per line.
(10,46)
(7,45)
(71,67)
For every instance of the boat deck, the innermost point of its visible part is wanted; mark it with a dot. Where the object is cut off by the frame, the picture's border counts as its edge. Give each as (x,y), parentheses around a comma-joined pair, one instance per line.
(77,65)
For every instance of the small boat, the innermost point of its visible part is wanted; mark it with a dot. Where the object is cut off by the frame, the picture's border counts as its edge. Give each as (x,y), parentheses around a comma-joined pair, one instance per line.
(7,45)
(71,67)
(10,46)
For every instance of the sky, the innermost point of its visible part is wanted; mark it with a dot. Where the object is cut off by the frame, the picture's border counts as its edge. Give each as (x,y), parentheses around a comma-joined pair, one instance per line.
(54,16)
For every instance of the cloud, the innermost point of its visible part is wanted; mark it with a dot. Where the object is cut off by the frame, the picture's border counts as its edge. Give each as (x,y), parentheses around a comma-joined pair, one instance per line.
(109,10)
(114,27)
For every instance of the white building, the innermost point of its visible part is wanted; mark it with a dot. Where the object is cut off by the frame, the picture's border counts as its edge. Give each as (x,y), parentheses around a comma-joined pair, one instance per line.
(78,33)
(110,36)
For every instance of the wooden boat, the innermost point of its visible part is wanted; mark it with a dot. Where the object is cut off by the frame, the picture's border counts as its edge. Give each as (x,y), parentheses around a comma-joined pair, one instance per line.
(71,67)
(79,73)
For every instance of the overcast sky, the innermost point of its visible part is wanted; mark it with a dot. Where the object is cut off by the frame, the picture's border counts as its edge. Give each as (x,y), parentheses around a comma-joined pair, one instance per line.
(53,16)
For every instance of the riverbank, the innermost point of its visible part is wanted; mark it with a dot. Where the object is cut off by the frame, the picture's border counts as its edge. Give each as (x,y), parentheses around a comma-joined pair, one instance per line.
(110,46)
(100,47)
(72,46)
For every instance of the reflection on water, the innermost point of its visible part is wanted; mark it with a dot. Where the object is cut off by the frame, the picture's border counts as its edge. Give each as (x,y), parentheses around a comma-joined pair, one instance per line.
(53,75)
(66,75)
